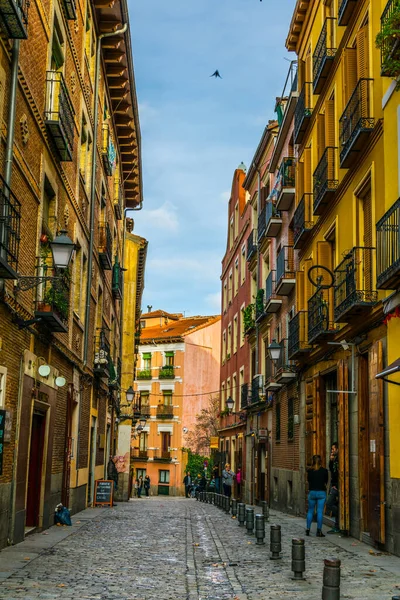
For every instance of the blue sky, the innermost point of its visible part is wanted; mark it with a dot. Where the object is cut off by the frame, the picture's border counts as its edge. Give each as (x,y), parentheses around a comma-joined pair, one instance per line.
(196,130)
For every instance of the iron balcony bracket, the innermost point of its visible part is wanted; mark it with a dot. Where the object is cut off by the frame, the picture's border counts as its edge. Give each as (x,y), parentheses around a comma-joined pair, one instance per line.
(27,283)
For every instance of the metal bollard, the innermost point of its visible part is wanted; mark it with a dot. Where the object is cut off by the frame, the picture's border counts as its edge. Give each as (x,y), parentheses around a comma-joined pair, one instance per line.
(260,529)
(265,509)
(227,505)
(331,579)
(298,558)
(275,542)
(250,520)
(197,496)
(234,507)
(241,513)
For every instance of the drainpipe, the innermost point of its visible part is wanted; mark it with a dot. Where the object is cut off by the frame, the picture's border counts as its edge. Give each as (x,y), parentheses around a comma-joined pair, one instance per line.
(258,269)
(93,186)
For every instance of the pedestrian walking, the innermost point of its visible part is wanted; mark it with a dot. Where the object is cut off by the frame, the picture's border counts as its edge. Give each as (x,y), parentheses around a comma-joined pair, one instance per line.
(317,478)
(227,480)
(332,504)
(238,481)
(136,486)
(140,486)
(147,485)
(217,478)
(187,482)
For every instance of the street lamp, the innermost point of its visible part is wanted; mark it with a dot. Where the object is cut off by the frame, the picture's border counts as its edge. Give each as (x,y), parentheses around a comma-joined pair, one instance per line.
(143,421)
(229,404)
(130,394)
(274,351)
(62,248)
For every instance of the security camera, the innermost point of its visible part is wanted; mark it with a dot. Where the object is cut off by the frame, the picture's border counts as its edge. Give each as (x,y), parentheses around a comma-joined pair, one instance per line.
(185,430)
(345,345)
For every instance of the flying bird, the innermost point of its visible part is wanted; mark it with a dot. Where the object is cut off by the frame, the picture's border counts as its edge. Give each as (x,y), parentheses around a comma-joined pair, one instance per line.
(216,74)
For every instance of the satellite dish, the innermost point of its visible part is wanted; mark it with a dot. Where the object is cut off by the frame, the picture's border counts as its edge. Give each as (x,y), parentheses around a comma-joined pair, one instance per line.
(60,381)
(44,370)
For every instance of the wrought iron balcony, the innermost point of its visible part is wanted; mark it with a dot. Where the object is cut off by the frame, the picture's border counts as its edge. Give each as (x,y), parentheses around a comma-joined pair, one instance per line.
(105,246)
(14,18)
(303,220)
(145,410)
(102,355)
(303,112)
(167,372)
(354,285)
(139,454)
(162,456)
(118,199)
(260,307)
(256,388)
(325,182)
(262,223)
(320,317)
(271,384)
(285,271)
(285,370)
(324,55)
(388,249)
(144,374)
(10,218)
(298,336)
(69,9)
(108,151)
(59,116)
(165,411)
(287,183)
(273,219)
(345,11)
(251,245)
(390,50)
(356,123)
(52,304)
(244,395)
(117,280)
(272,303)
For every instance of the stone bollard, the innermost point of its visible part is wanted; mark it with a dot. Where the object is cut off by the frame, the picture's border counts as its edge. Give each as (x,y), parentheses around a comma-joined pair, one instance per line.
(234,507)
(260,529)
(241,514)
(265,509)
(298,558)
(250,520)
(275,542)
(331,579)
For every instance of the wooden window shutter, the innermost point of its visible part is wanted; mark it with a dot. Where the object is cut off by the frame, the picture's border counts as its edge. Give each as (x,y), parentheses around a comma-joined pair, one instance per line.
(300,291)
(321,135)
(309,422)
(343,430)
(307,171)
(330,122)
(308,286)
(362,52)
(367,217)
(349,67)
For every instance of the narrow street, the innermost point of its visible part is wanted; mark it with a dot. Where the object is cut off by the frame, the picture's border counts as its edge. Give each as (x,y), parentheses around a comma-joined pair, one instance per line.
(173,548)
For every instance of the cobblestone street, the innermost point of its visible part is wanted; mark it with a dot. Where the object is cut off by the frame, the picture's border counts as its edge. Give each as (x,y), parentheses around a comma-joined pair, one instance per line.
(177,549)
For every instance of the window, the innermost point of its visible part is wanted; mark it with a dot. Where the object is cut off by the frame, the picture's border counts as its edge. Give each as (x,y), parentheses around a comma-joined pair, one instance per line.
(278,422)
(48,209)
(235,334)
(231,233)
(163,476)
(223,395)
(57,47)
(236,277)
(236,219)
(142,324)
(3,377)
(224,345)
(80,280)
(99,309)
(167,397)
(229,348)
(230,287)
(90,43)
(140,473)
(243,265)
(234,390)
(225,298)
(144,399)
(169,359)
(143,442)
(85,153)
(290,423)
(241,328)
(228,388)
(146,358)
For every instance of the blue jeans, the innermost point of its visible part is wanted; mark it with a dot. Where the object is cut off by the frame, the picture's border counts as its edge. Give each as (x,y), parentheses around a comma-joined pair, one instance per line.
(315,499)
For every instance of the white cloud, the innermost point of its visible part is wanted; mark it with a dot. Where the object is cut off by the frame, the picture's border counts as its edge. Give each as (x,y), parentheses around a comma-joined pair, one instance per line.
(164,217)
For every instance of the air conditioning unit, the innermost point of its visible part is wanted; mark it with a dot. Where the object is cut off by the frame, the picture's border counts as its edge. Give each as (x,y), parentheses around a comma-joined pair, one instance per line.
(260,379)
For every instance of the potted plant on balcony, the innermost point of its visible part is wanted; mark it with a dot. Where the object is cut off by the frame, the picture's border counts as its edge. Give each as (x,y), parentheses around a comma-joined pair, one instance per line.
(167,372)
(248,318)
(144,374)
(388,41)
(56,300)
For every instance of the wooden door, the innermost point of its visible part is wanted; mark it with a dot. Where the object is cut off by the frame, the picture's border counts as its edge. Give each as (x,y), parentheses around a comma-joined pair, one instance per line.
(363,439)
(35,470)
(343,429)
(376,484)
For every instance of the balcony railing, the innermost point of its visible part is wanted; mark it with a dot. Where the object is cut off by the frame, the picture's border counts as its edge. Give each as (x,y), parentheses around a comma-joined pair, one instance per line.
(273,219)
(298,335)
(255,390)
(167,372)
(118,199)
(285,370)
(144,374)
(10,218)
(345,11)
(251,245)
(244,395)
(262,223)
(285,271)
(139,454)
(388,249)
(162,456)
(324,55)
(272,302)
(52,304)
(165,411)
(320,317)
(101,355)
(271,384)
(354,286)
(59,116)
(14,18)
(325,182)
(108,151)
(303,220)
(117,280)
(287,182)
(390,50)
(145,410)
(356,123)
(105,246)
(303,112)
